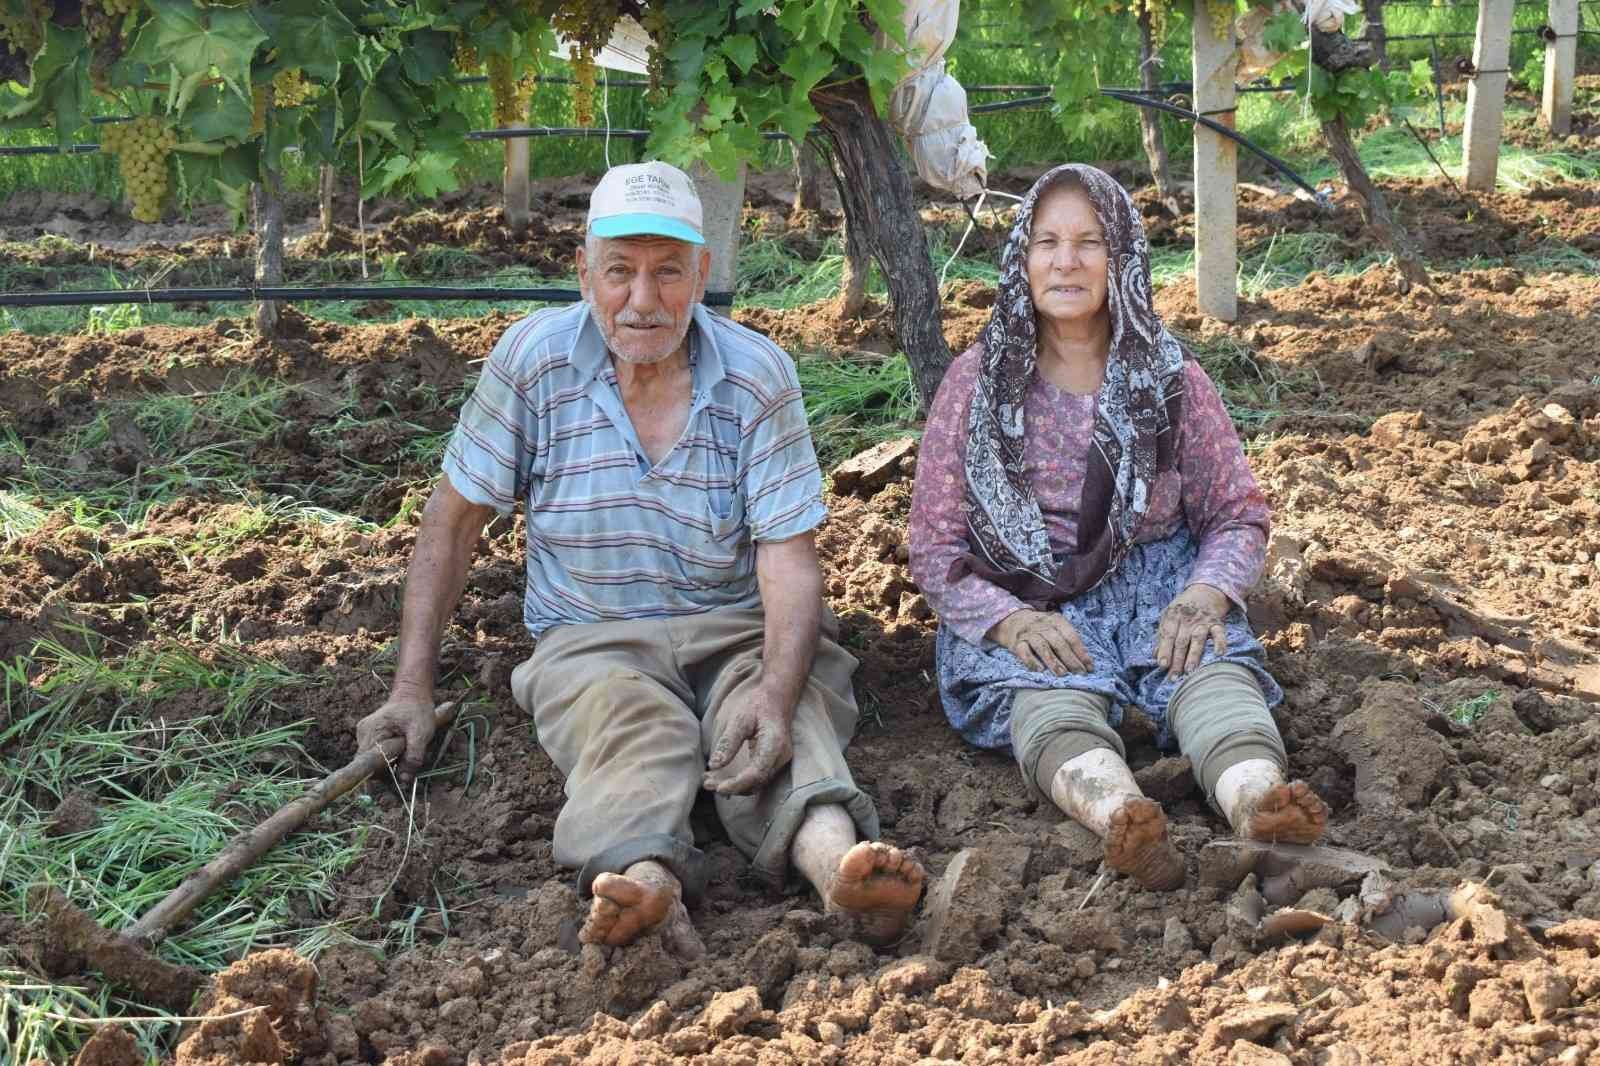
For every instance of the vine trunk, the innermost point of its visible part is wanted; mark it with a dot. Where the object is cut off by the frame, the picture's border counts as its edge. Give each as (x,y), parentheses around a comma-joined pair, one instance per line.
(881,214)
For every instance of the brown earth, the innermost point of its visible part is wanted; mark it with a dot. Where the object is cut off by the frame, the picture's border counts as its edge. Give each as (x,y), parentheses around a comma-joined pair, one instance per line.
(1436,493)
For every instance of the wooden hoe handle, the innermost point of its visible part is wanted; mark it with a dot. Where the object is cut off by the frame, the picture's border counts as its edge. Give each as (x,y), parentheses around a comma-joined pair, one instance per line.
(243,850)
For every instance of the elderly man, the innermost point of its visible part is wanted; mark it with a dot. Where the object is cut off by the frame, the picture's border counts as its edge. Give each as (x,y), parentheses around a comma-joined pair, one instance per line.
(664,460)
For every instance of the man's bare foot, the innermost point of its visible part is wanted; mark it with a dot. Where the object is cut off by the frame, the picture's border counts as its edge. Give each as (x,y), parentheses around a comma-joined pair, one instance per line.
(879,884)
(1290,813)
(1137,845)
(625,908)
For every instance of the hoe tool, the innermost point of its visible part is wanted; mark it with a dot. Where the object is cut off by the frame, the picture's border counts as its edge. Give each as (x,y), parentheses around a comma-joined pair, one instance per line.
(125,959)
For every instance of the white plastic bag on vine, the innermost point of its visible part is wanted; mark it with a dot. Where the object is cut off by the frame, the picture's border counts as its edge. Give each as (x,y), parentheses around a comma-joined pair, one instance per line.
(628,49)
(929,107)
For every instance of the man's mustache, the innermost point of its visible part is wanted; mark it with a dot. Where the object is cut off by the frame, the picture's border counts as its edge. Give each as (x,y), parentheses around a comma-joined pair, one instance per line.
(634,318)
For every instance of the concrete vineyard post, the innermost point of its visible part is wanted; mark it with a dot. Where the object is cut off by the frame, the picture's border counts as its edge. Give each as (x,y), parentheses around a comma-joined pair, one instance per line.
(1486,93)
(1560,66)
(1216,159)
(721,201)
(516,183)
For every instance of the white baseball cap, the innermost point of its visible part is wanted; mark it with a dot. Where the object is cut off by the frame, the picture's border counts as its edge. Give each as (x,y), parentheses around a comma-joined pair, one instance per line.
(646,199)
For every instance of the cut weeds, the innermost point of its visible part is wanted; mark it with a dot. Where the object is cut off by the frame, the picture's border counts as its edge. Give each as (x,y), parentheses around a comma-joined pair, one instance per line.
(120,775)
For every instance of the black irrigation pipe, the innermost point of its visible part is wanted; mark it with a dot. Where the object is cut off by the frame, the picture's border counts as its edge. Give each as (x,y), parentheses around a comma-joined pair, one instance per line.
(1020,103)
(296,293)
(1211,124)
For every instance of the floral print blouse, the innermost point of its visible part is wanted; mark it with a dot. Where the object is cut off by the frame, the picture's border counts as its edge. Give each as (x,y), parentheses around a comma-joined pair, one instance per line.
(1211,490)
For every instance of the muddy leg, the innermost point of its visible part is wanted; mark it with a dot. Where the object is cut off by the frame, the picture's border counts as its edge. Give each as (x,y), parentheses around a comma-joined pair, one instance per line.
(628,905)
(1261,805)
(1098,790)
(876,882)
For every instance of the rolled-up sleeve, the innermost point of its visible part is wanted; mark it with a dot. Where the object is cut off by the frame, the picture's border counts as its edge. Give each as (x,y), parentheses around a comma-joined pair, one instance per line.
(778,471)
(491,454)
(1222,504)
(938,531)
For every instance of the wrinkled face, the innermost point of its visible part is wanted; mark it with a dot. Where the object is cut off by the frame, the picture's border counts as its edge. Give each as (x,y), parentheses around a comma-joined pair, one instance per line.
(643,291)
(1067,257)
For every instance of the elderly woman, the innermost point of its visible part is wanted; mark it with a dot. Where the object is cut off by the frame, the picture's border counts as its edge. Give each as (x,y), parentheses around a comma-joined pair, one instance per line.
(1086,527)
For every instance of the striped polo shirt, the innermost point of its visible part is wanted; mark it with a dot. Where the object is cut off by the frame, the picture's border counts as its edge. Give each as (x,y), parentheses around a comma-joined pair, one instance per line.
(611,536)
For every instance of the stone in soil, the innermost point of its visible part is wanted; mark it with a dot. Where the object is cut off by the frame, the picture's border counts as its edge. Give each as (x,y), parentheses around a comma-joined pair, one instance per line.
(1398,760)
(965,909)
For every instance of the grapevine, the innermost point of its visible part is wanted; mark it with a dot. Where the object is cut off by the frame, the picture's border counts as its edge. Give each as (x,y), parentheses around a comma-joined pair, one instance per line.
(142,148)
(258,110)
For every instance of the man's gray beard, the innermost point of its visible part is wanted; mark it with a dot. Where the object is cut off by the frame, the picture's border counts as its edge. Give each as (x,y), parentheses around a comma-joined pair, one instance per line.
(615,349)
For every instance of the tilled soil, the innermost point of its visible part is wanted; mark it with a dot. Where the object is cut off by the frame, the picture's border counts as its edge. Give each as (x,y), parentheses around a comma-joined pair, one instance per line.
(1435,492)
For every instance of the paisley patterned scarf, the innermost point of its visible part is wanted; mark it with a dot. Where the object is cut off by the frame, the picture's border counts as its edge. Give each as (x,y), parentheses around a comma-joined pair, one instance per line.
(1137,411)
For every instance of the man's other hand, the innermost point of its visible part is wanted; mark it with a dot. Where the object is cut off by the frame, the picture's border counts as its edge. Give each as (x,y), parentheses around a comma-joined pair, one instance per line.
(751,717)
(405,718)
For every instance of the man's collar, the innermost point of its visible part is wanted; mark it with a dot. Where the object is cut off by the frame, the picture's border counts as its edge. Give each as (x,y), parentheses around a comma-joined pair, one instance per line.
(590,358)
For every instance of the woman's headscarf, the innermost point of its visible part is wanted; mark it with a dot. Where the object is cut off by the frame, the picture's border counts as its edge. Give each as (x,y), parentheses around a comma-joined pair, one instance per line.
(1138,410)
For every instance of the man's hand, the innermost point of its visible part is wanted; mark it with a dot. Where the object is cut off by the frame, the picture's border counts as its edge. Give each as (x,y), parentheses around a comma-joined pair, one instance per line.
(1044,641)
(1194,616)
(403,717)
(752,717)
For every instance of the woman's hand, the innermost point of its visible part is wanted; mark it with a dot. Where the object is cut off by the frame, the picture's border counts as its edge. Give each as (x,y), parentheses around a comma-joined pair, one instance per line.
(1044,641)
(1194,616)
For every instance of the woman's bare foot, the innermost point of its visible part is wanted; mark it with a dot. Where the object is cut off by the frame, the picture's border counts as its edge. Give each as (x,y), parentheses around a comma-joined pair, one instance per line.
(1289,812)
(879,884)
(628,906)
(1137,845)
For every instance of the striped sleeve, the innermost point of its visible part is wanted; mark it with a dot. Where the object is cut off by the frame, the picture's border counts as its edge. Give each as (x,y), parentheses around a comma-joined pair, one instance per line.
(778,472)
(490,456)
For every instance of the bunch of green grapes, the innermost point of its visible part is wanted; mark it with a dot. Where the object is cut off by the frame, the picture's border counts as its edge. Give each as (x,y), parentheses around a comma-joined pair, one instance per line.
(290,88)
(142,148)
(655,22)
(466,58)
(1221,13)
(103,19)
(1157,10)
(25,32)
(587,25)
(503,88)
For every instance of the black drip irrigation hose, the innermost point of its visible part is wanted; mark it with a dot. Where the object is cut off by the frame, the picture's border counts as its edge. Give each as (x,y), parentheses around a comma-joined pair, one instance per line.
(1211,124)
(296,294)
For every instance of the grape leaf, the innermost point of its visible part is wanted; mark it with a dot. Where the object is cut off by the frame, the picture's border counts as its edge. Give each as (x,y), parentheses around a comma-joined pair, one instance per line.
(56,86)
(218,115)
(193,38)
(428,57)
(313,35)
(741,48)
(434,173)
(807,66)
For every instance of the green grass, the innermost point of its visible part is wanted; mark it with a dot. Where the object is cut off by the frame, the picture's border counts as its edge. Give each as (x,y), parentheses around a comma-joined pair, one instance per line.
(207,444)
(1467,712)
(853,403)
(1254,390)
